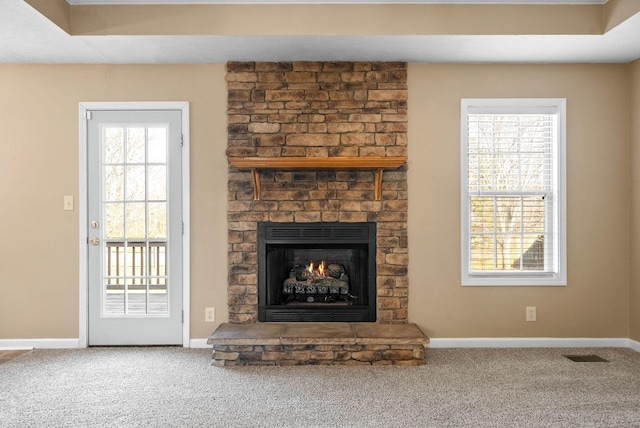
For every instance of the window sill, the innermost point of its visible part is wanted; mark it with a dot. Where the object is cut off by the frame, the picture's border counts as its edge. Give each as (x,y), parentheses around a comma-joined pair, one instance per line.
(491,280)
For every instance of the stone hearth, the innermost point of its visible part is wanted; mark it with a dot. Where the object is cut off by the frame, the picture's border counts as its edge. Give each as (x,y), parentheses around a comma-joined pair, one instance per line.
(318,344)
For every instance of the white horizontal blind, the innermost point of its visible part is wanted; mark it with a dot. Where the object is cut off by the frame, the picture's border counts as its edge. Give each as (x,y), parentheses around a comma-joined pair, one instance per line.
(511,166)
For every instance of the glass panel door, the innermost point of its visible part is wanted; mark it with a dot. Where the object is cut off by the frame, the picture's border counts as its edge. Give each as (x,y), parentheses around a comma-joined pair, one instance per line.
(135,237)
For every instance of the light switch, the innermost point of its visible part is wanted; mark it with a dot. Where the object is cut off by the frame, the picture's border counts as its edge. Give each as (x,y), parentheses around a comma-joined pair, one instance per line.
(68,203)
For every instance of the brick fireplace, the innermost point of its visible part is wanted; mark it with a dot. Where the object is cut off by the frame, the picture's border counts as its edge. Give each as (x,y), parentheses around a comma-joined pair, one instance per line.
(317,110)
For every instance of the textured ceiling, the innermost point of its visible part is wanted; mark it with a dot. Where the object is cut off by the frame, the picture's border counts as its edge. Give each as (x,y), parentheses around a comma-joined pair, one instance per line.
(26,36)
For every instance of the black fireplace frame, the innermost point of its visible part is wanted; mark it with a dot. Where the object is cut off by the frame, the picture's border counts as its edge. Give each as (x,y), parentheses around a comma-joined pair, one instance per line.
(321,235)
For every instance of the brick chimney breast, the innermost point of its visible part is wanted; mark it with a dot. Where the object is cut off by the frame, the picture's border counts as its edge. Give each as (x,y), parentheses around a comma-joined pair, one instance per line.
(317,109)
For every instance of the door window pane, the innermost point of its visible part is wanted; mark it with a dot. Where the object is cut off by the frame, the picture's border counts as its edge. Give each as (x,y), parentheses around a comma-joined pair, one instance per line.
(135,224)
(114,183)
(158,296)
(157,145)
(136,297)
(136,183)
(136,145)
(113,145)
(157,182)
(114,221)
(157,220)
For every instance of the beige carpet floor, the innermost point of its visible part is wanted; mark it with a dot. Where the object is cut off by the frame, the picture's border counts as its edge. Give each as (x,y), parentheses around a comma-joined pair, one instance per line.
(176,387)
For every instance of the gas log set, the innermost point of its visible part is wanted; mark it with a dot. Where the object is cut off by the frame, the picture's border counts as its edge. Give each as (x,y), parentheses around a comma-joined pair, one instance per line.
(309,284)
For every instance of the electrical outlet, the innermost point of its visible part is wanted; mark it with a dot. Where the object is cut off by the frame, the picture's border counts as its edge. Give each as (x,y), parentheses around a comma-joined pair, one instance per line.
(209,314)
(531,313)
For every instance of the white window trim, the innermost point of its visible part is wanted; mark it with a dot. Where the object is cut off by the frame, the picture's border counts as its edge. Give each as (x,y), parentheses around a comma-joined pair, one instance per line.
(515,105)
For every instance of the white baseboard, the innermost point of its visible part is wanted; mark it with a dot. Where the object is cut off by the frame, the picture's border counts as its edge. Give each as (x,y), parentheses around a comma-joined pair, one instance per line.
(199,343)
(39,343)
(20,344)
(516,342)
(532,342)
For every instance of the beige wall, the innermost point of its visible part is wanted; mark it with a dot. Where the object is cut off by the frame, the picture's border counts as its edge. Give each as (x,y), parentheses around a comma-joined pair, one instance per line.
(595,302)
(39,164)
(360,19)
(617,11)
(634,295)
(323,19)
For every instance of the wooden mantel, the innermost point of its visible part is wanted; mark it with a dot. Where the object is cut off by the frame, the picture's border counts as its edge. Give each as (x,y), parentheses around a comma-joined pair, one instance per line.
(376,163)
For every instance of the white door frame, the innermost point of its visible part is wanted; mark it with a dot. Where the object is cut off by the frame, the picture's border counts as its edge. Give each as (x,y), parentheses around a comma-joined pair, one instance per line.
(183,106)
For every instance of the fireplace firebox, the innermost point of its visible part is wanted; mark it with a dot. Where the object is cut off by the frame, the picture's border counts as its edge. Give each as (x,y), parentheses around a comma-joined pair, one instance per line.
(316,272)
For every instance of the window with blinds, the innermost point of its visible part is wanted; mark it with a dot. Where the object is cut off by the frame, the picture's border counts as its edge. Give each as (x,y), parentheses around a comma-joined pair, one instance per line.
(513,198)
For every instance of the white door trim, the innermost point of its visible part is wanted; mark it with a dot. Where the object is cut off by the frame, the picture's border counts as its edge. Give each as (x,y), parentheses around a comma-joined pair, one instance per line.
(183,106)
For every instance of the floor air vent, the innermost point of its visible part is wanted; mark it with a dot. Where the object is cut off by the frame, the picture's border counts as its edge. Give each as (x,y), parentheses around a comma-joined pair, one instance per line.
(586,358)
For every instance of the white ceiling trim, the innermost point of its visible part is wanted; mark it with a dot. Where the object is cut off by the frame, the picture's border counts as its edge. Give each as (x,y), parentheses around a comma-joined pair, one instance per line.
(140,2)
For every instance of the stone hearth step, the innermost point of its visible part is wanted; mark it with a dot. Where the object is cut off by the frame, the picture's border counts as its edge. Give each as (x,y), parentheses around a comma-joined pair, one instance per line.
(318,343)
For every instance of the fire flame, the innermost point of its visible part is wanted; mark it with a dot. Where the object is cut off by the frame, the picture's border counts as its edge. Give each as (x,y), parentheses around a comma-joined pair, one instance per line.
(319,271)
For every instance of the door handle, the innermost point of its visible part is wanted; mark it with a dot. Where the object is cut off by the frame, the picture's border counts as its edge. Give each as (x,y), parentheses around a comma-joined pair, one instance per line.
(94,241)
